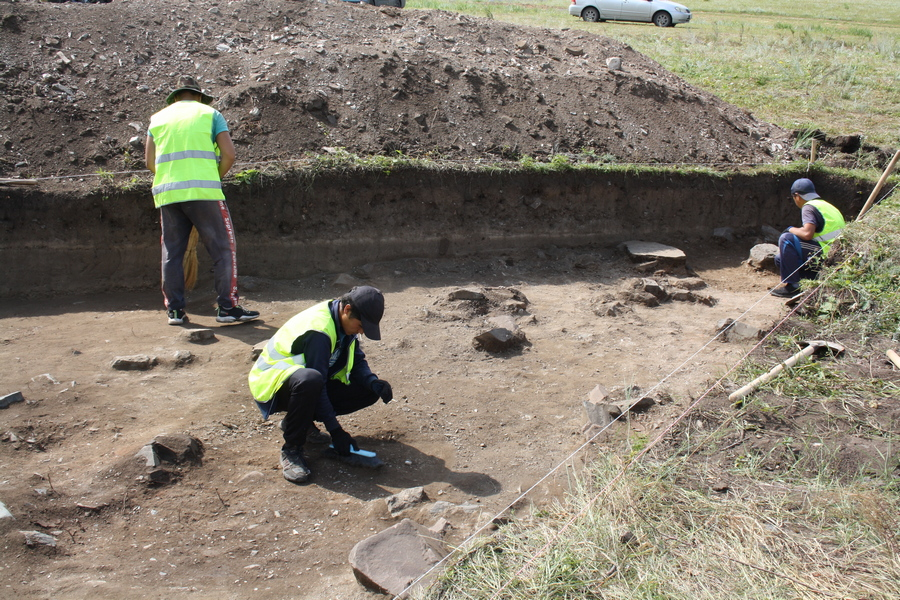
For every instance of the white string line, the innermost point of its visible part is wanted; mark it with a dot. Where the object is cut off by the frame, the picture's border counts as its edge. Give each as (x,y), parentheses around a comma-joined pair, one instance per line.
(689,409)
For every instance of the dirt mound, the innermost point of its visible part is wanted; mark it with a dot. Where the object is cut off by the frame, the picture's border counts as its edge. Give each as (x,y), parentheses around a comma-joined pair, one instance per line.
(81,80)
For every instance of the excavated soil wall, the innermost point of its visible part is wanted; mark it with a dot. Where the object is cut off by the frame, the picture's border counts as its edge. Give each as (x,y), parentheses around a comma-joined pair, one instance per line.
(66,241)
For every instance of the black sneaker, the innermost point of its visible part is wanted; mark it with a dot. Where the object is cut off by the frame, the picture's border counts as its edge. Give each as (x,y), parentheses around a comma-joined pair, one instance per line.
(787,291)
(176,316)
(293,465)
(235,315)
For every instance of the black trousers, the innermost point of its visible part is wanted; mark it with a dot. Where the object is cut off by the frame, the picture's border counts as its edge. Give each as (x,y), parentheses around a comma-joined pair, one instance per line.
(299,397)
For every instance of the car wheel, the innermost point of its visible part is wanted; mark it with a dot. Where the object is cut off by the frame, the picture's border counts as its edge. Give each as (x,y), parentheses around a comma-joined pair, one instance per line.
(663,19)
(590,14)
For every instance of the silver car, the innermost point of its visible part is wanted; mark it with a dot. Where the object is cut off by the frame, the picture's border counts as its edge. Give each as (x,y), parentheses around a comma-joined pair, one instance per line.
(662,13)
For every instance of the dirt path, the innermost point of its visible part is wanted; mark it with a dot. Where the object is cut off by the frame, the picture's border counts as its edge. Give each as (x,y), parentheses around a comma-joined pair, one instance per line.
(474,429)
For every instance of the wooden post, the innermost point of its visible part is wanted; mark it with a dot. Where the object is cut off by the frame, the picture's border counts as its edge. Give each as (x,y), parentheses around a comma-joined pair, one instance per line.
(880,184)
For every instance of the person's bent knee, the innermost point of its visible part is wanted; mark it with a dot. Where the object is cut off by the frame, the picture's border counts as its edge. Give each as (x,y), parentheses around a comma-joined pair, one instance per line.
(306,381)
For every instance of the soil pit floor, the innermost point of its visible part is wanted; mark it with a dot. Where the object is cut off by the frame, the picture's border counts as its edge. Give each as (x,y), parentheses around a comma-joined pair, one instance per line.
(475,429)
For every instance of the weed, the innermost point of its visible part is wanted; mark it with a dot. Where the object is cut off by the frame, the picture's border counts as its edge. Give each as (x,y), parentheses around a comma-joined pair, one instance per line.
(106,177)
(247,176)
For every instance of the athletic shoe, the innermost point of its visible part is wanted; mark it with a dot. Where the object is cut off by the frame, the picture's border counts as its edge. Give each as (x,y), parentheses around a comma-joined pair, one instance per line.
(293,465)
(176,316)
(234,315)
(788,291)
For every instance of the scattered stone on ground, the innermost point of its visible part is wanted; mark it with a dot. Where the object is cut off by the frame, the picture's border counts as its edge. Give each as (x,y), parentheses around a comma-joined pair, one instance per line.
(737,331)
(137,362)
(389,561)
(762,257)
(8,399)
(197,336)
(404,499)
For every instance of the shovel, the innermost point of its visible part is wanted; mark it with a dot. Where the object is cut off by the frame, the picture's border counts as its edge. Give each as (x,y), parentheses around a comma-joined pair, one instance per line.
(810,347)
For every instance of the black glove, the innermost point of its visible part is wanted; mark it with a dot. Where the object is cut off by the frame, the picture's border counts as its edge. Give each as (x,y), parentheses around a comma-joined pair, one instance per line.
(342,442)
(383,389)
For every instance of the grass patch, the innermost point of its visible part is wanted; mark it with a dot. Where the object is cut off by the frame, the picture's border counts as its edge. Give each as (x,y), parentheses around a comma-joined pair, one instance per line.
(647,535)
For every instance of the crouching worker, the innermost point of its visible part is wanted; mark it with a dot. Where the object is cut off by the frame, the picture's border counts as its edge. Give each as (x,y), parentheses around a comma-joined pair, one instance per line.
(313,369)
(801,248)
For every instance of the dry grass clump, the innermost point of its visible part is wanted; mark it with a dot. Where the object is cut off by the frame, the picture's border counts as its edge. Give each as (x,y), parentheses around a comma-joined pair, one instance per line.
(641,533)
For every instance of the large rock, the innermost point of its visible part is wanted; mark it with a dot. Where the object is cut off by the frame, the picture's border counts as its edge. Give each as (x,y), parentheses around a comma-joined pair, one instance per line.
(137,362)
(389,561)
(499,339)
(405,499)
(762,257)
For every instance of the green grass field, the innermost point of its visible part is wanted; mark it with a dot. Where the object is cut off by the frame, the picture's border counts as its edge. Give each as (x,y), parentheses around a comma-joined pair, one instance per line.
(837,70)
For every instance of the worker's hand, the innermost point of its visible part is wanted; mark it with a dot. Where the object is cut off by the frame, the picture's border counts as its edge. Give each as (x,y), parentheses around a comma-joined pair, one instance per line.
(383,389)
(342,442)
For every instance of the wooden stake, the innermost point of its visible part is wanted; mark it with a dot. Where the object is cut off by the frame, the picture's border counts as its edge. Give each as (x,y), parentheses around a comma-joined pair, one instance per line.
(880,184)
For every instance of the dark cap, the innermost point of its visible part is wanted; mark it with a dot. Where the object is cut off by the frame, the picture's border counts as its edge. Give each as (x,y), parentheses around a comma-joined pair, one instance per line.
(186,83)
(369,303)
(805,188)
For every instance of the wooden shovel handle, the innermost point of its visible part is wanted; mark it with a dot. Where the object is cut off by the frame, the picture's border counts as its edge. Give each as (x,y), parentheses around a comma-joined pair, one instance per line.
(766,377)
(894,358)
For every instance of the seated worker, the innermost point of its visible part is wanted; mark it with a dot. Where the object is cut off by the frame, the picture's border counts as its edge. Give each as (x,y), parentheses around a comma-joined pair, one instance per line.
(801,248)
(314,369)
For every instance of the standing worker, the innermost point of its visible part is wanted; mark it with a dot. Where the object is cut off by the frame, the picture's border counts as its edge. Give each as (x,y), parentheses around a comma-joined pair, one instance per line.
(189,150)
(314,369)
(798,247)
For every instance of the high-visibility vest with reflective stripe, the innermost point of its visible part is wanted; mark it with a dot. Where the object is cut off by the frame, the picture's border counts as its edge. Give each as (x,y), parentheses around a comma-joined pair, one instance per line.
(275,363)
(187,165)
(834,223)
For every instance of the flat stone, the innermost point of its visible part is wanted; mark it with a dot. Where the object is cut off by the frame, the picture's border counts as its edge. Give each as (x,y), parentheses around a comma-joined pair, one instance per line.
(197,336)
(643,252)
(467,294)
(36,538)
(137,362)
(7,400)
(498,340)
(389,561)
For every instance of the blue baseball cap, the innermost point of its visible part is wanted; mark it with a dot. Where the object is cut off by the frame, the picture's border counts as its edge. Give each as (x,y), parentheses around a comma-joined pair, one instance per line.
(805,188)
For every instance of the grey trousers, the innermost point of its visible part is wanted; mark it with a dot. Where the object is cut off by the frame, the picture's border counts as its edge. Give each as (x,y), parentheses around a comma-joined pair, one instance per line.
(213,223)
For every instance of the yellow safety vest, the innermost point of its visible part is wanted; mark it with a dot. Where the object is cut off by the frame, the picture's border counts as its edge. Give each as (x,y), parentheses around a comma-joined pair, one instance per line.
(276,363)
(834,223)
(187,162)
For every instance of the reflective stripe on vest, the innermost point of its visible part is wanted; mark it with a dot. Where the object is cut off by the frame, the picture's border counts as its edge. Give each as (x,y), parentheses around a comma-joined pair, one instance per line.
(276,363)
(834,223)
(187,165)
